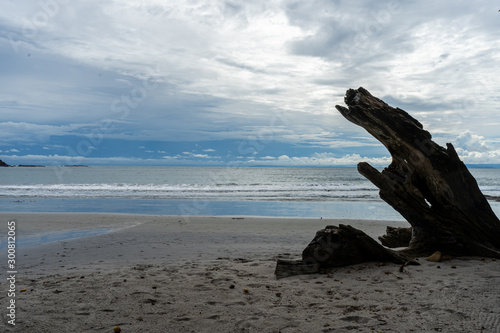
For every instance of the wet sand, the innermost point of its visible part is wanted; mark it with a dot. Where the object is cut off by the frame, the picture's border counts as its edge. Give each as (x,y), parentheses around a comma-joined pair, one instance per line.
(145,273)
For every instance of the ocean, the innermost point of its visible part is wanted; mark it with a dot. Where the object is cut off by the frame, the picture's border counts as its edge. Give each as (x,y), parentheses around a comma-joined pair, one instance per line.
(214,191)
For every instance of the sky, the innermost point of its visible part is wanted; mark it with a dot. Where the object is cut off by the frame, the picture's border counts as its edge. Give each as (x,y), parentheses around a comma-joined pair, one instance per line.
(241,83)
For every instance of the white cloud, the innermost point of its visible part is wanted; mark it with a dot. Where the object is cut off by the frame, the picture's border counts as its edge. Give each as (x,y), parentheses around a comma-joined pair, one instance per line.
(205,156)
(476,157)
(56,159)
(322,159)
(214,70)
(471,142)
(319,159)
(474,149)
(284,158)
(19,132)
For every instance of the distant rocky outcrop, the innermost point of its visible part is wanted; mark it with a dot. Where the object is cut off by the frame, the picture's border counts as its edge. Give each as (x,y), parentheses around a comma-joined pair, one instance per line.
(3,164)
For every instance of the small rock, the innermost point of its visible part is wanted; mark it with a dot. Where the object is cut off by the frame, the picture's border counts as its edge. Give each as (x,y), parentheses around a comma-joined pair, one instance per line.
(435,257)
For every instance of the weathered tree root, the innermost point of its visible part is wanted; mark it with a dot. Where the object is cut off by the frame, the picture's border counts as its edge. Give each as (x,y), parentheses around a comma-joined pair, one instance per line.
(426,183)
(340,246)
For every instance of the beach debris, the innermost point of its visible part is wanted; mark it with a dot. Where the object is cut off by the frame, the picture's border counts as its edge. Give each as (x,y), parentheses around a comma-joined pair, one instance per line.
(337,247)
(396,237)
(151,301)
(117,329)
(246,291)
(286,268)
(402,267)
(427,184)
(435,257)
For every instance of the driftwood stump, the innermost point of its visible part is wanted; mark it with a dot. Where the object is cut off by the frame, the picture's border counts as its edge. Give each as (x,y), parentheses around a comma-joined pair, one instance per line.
(426,183)
(396,237)
(339,246)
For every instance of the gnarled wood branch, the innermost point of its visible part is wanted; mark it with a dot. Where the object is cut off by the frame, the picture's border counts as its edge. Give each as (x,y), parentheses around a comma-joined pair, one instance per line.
(426,183)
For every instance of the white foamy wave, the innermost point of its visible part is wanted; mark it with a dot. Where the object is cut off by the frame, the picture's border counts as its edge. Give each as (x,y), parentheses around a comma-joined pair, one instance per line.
(266,191)
(194,191)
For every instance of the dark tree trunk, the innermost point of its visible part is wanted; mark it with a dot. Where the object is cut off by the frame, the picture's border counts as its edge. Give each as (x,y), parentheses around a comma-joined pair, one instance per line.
(426,183)
(339,246)
(396,237)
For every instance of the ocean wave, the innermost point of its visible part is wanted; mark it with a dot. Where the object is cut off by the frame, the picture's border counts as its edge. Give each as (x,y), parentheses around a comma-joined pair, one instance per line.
(191,191)
(228,191)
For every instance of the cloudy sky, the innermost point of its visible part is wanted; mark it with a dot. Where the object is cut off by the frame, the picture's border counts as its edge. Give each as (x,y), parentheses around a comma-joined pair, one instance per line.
(209,82)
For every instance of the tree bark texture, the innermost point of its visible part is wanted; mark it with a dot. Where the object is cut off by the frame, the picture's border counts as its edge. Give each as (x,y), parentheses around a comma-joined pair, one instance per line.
(427,184)
(336,247)
(396,237)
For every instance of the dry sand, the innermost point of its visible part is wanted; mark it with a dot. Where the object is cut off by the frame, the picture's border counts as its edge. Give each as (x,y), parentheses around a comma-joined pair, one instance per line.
(207,274)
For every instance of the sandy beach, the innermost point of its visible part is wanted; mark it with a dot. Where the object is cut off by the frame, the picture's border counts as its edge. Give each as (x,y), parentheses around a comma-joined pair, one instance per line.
(92,272)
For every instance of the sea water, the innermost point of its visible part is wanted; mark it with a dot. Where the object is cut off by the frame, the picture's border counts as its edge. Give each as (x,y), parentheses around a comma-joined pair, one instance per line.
(213,191)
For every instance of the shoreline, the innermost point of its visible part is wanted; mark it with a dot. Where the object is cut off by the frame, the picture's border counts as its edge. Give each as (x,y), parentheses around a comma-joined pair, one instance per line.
(373,210)
(155,273)
(133,238)
(355,209)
